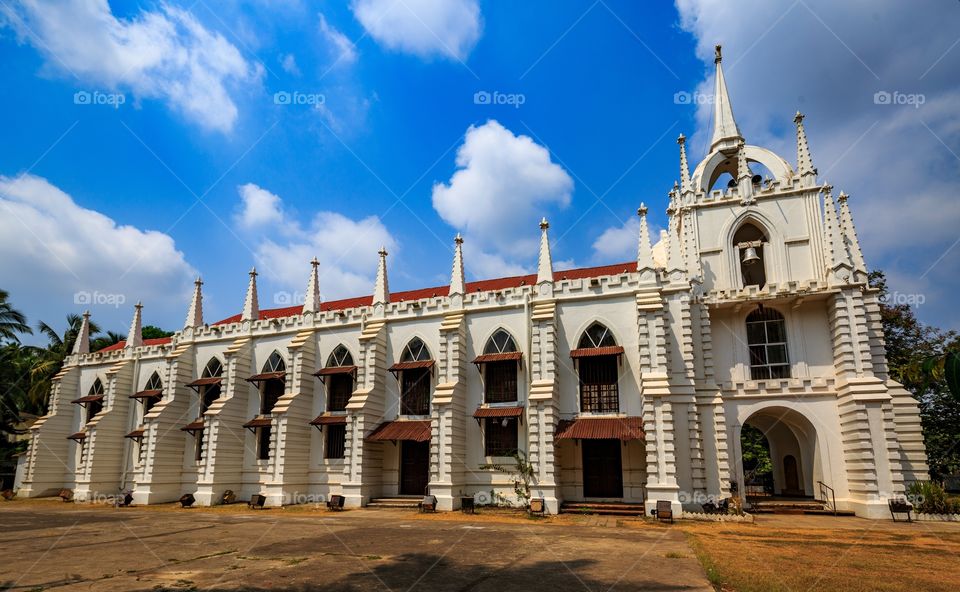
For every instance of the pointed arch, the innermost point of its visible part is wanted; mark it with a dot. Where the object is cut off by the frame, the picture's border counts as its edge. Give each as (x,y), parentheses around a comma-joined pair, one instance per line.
(596,335)
(500,342)
(340,356)
(95,395)
(774,250)
(211,385)
(213,369)
(415,351)
(275,363)
(152,392)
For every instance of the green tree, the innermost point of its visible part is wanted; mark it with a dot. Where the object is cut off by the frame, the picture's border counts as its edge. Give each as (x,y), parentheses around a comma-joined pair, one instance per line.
(49,360)
(918,356)
(152,332)
(12,321)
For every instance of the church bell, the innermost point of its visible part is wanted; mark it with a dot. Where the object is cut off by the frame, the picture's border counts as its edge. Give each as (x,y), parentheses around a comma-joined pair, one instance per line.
(750,256)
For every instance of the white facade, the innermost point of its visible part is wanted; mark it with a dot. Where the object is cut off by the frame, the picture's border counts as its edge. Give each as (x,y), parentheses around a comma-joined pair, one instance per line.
(816,384)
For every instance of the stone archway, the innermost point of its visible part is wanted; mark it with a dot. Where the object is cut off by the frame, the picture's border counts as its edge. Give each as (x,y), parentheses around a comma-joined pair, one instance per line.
(794,451)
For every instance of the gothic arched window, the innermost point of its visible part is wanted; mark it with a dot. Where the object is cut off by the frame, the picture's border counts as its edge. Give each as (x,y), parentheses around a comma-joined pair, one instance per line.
(416,363)
(154,384)
(95,405)
(271,389)
(597,357)
(339,385)
(500,373)
(210,392)
(767,339)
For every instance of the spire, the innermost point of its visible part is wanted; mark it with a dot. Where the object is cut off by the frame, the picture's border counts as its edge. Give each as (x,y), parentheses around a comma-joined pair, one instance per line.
(805,166)
(456,278)
(744,176)
(135,335)
(685,185)
(381,288)
(251,307)
(674,256)
(545,262)
(850,234)
(836,250)
(726,134)
(311,301)
(195,312)
(82,343)
(645,248)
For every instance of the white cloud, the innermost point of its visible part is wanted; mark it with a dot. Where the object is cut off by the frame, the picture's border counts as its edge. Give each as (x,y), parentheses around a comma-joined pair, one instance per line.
(289,64)
(346,248)
(898,162)
(424,28)
(502,187)
(259,207)
(620,243)
(165,54)
(61,258)
(343,49)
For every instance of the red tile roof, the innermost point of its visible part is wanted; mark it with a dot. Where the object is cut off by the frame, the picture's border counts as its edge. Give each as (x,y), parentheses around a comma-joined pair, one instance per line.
(411,365)
(416,430)
(206,381)
(121,344)
(589,352)
(148,394)
(601,428)
(440,291)
(259,422)
(335,370)
(194,426)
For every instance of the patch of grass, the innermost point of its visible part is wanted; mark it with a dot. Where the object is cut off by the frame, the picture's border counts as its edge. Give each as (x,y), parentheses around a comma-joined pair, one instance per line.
(675,555)
(294,560)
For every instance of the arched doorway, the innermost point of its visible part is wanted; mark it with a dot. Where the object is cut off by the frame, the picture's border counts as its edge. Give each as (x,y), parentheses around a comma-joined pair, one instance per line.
(791,467)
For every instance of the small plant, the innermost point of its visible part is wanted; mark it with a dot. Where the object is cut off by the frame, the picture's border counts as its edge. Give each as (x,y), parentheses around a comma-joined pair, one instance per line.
(523,473)
(930,497)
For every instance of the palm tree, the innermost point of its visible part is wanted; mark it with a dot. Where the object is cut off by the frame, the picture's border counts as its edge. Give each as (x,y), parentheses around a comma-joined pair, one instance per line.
(12,321)
(107,339)
(50,359)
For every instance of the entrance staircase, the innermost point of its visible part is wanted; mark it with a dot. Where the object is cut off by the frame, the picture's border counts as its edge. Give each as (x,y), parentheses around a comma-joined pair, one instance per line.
(782,505)
(602,508)
(398,501)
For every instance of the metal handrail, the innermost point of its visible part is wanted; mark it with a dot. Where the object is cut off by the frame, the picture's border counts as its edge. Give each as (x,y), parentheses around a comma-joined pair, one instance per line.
(831,503)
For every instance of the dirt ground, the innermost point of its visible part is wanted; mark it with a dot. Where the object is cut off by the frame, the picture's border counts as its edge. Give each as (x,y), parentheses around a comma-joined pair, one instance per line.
(49,545)
(790,553)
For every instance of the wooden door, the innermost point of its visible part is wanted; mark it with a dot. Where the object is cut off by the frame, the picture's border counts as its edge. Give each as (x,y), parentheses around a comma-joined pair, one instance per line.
(414,467)
(790,478)
(602,468)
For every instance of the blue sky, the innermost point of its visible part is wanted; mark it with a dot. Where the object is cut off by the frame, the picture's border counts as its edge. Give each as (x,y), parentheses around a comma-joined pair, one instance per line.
(205,169)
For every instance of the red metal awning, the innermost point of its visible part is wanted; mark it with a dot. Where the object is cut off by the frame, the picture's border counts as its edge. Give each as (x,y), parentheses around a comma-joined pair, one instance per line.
(504,357)
(196,384)
(267,376)
(148,394)
(415,430)
(194,426)
(601,428)
(335,370)
(136,434)
(259,422)
(87,399)
(79,436)
(498,412)
(590,352)
(326,419)
(411,365)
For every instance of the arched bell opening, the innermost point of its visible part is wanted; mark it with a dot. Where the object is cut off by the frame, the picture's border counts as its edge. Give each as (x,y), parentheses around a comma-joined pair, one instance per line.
(750,244)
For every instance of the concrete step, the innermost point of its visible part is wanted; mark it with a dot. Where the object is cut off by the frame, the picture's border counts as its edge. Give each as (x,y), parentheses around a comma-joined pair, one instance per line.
(401,501)
(602,508)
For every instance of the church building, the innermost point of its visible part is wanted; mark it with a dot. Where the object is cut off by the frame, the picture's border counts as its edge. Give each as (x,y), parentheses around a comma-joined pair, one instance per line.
(627,383)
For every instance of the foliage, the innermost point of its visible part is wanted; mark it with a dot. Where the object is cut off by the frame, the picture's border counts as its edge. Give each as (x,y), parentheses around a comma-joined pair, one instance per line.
(756,453)
(12,321)
(523,473)
(152,332)
(931,498)
(924,360)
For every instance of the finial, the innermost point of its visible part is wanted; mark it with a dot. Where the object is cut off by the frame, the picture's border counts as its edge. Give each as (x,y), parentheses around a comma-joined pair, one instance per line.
(198,281)
(681,139)
(458,239)
(314,262)
(86,314)
(842,198)
(798,118)
(138,305)
(544,224)
(383,251)
(253,272)
(717,55)
(642,210)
